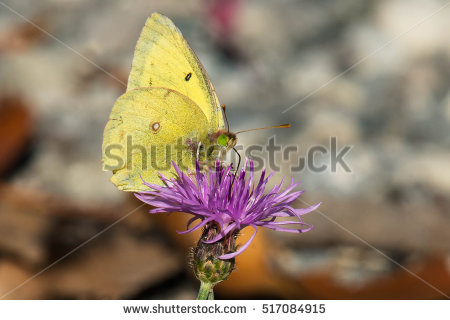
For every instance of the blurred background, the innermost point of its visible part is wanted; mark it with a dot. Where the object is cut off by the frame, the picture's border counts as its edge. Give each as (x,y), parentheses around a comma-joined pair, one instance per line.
(373,74)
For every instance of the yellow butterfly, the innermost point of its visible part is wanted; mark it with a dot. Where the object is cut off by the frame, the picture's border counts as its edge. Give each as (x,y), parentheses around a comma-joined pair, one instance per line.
(170,112)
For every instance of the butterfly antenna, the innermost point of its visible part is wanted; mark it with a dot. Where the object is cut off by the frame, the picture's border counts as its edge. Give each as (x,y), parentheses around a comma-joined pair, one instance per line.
(287,125)
(226,118)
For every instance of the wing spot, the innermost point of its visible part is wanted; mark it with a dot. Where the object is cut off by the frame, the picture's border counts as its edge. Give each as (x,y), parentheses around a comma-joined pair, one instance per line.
(188,76)
(155,126)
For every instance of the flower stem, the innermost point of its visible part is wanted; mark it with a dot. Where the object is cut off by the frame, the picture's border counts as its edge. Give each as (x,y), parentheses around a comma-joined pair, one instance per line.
(206,291)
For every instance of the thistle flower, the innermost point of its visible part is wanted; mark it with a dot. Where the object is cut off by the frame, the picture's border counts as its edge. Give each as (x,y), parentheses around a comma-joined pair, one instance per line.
(217,197)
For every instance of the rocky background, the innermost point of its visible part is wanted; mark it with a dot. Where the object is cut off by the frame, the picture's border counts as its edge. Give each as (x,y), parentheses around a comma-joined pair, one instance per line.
(373,74)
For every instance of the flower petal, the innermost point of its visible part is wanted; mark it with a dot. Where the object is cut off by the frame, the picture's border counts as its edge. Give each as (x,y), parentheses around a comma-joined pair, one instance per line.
(201,224)
(241,249)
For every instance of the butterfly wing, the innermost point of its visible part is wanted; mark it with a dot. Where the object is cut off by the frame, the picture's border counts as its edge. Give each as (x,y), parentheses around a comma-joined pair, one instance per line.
(163,58)
(148,129)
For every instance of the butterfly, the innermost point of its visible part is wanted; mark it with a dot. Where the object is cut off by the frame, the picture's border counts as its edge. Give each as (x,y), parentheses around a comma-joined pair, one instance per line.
(169,112)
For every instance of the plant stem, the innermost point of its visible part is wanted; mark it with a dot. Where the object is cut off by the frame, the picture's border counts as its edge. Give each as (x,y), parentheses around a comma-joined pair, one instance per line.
(211,294)
(206,291)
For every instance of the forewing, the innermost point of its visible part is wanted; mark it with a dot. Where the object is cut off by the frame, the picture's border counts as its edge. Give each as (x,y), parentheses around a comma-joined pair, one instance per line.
(163,58)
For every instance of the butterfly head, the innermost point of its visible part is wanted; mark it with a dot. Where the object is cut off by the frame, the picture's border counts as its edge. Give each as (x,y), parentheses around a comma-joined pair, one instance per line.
(225,139)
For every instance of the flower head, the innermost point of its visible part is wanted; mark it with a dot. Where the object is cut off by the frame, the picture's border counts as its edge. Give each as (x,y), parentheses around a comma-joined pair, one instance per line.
(233,203)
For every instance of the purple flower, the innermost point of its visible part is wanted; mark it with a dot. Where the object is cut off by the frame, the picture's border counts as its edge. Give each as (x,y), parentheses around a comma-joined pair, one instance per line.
(207,196)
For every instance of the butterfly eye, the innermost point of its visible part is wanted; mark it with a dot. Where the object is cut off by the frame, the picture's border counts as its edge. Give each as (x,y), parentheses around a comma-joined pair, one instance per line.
(222,140)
